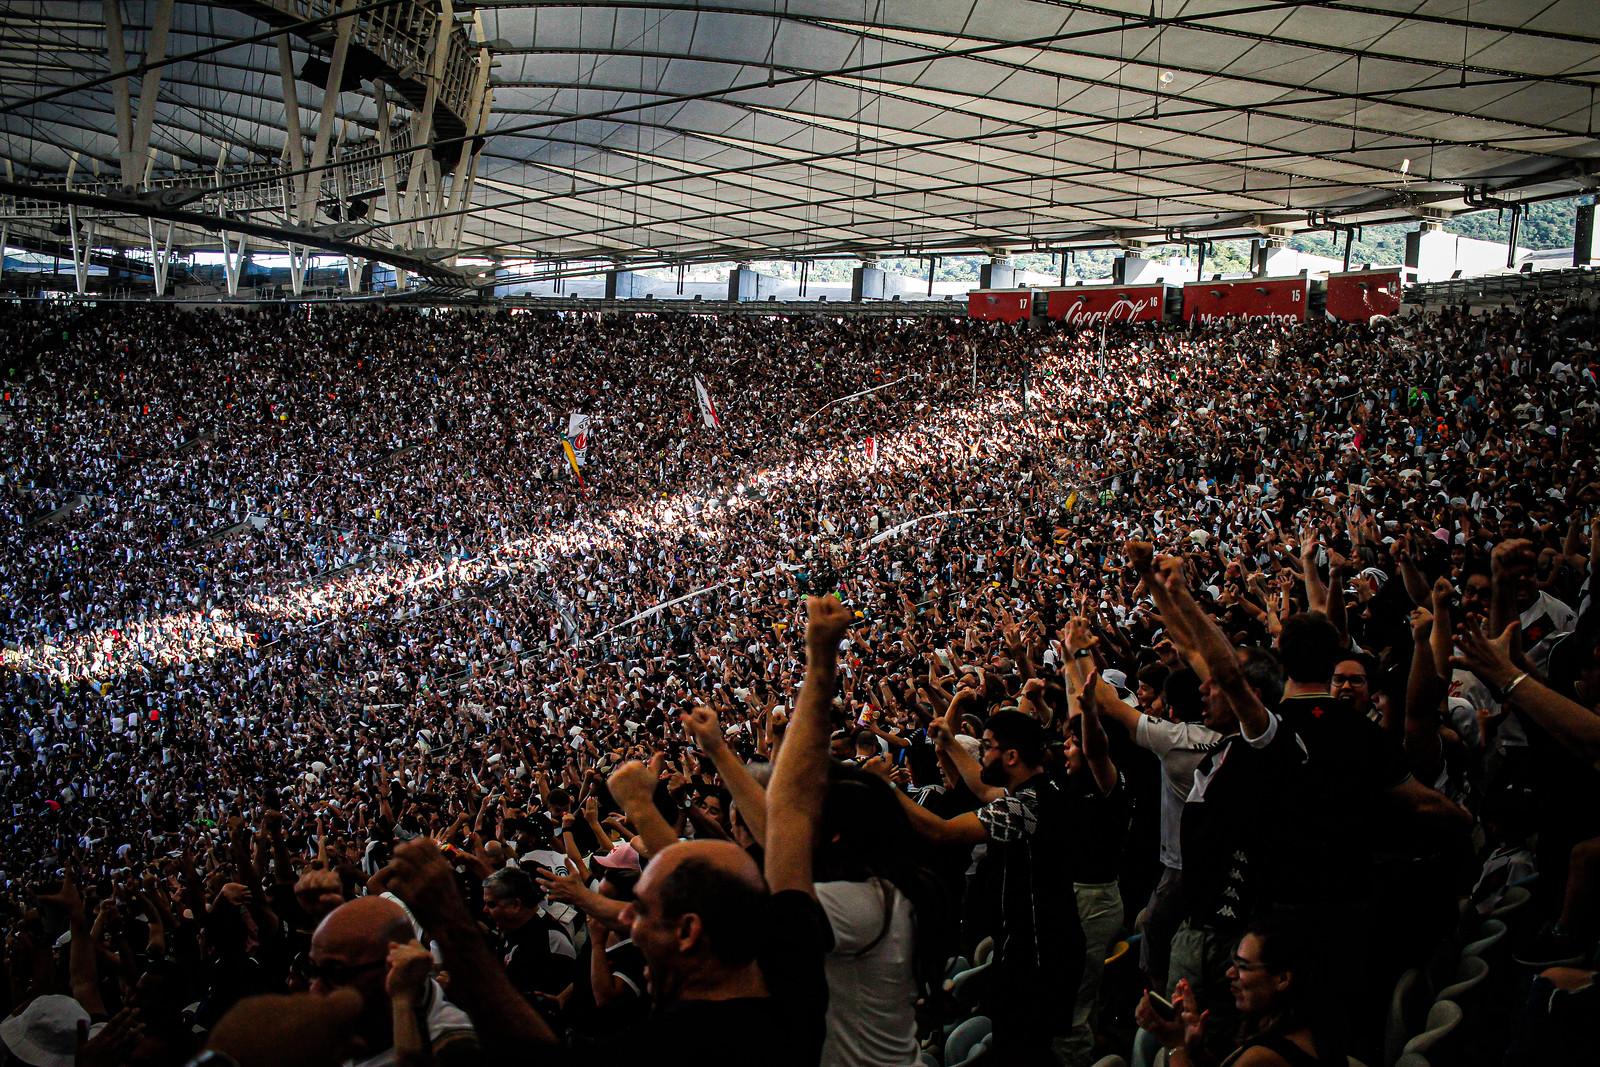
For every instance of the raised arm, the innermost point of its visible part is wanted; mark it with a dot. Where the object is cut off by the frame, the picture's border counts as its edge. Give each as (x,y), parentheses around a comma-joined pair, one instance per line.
(1316,591)
(1172,596)
(800,777)
(505,1022)
(82,967)
(1423,693)
(1416,585)
(1568,722)
(747,792)
(633,785)
(1096,746)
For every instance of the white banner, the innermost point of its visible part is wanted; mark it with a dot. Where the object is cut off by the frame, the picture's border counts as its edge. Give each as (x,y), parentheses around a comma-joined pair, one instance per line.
(708,407)
(578,436)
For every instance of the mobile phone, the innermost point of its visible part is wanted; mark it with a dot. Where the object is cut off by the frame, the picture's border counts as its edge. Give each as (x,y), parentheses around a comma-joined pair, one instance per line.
(1163,1007)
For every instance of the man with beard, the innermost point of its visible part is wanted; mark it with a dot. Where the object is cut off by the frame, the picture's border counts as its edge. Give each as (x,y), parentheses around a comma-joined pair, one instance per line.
(1024,884)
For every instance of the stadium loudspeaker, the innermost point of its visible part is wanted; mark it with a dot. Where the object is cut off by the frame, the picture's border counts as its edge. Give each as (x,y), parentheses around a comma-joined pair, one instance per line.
(1583,237)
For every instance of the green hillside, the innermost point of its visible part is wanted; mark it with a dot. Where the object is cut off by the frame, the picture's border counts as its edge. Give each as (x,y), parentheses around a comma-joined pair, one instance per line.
(1546,225)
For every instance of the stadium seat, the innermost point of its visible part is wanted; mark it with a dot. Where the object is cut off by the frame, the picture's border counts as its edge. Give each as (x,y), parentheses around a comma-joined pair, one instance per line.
(965,985)
(1408,1008)
(1469,976)
(965,1043)
(1514,902)
(1146,1049)
(1444,1018)
(1487,941)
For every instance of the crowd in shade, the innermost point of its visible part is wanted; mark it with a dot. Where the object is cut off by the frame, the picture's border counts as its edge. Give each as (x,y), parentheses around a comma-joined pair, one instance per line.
(941,692)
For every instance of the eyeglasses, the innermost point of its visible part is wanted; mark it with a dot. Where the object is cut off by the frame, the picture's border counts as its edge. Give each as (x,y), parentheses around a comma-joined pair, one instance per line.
(334,974)
(1242,964)
(1354,681)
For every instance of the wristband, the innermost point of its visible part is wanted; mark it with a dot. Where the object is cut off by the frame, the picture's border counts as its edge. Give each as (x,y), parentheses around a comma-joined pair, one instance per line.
(1083,653)
(1505,694)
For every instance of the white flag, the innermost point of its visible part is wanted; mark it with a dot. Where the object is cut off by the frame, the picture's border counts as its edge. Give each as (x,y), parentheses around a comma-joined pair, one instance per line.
(708,407)
(578,436)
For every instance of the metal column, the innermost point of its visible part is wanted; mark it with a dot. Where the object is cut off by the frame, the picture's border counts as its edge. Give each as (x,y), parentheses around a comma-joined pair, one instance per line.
(312,184)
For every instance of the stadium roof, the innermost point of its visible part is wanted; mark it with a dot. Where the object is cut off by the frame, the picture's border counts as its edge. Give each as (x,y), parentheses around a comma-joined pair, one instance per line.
(648,132)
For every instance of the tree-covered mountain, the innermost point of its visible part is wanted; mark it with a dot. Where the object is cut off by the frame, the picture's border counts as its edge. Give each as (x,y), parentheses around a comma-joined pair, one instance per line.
(1546,225)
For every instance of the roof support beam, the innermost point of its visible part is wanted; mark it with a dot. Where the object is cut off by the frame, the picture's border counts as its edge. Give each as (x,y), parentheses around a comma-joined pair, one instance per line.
(335,239)
(116,52)
(311,184)
(82,248)
(199,53)
(294,144)
(160,256)
(155,51)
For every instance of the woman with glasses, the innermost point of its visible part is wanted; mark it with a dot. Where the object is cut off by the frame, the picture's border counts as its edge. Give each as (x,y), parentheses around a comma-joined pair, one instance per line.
(1288,1017)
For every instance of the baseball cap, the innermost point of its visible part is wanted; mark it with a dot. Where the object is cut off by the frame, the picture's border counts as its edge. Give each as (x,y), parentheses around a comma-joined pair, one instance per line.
(621,858)
(1117,680)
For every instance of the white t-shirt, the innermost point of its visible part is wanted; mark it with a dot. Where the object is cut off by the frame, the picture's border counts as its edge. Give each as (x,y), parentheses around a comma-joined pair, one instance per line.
(1181,746)
(872,995)
(444,1019)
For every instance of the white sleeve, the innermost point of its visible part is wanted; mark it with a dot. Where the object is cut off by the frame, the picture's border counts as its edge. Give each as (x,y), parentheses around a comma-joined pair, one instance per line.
(1157,735)
(1266,737)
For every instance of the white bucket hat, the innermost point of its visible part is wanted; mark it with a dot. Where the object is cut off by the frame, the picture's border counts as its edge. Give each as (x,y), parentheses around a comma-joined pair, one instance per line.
(46,1033)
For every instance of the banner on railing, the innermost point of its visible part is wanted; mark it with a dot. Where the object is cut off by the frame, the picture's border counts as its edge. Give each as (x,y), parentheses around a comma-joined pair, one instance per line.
(1359,295)
(1000,305)
(1283,299)
(1091,305)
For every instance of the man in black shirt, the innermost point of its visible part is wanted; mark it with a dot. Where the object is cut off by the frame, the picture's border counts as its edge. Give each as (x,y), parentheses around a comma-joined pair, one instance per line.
(538,956)
(735,960)
(1100,810)
(1024,884)
(1238,832)
(1356,782)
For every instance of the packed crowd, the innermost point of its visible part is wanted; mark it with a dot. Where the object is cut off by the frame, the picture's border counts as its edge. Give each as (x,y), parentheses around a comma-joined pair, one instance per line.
(1269,648)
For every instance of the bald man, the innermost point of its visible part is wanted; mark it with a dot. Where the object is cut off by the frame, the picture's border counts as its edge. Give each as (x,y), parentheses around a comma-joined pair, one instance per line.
(350,950)
(735,961)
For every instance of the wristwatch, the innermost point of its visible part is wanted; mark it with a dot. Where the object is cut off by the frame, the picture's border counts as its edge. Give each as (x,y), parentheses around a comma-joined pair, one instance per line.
(1082,653)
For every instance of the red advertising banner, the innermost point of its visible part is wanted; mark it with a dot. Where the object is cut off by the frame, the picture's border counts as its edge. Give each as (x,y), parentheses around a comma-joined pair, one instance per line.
(1000,305)
(1248,298)
(1357,295)
(1090,305)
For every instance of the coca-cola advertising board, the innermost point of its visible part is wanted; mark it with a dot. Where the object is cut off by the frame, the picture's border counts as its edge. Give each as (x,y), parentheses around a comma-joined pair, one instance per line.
(1091,305)
(1284,299)
(1000,305)
(1358,295)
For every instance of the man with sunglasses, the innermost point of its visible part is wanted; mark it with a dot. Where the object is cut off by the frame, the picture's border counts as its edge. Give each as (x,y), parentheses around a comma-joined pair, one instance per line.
(351,949)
